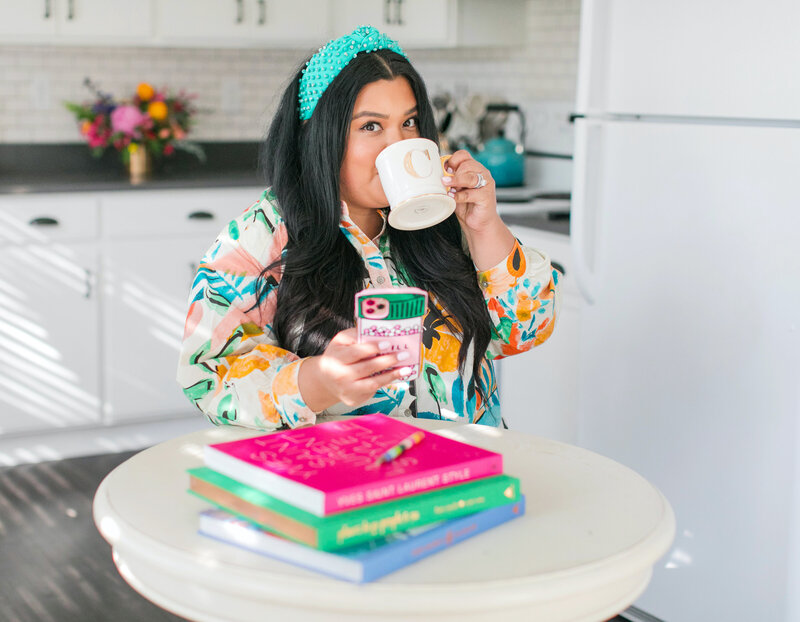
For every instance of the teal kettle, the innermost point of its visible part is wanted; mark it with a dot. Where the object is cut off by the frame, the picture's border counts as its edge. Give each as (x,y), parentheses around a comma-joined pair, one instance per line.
(504,158)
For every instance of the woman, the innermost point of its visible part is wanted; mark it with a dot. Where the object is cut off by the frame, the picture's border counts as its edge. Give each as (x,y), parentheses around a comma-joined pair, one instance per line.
(269,338)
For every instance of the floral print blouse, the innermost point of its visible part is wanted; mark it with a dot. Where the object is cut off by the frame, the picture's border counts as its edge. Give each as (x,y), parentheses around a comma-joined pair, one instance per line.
(232,368)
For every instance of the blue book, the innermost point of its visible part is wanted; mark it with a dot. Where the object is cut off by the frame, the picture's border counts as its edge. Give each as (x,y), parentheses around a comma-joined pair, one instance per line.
(364,562)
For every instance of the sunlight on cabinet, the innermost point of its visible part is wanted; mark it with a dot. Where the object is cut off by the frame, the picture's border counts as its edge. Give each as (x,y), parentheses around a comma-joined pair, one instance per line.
(48,318)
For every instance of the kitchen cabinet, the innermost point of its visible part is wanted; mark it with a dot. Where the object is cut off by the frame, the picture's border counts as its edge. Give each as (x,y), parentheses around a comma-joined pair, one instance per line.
(153,243)
(27,19)
(538,389)
(91,316)
(242,23)
(107,22)
(49,314)
(146,287)
(287,24)
(436,23)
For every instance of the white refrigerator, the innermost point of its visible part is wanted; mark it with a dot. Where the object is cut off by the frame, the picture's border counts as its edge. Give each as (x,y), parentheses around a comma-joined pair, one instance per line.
(686,241)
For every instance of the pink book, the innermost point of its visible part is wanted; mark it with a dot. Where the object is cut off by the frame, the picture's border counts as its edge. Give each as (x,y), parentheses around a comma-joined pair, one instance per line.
(332,467)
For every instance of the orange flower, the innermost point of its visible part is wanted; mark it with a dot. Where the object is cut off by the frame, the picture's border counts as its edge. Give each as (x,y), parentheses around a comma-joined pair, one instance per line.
(145,92)
(543,331)
(526,306)
(244,366)
(268,408)
(285,382)
(157,110)
(444,352)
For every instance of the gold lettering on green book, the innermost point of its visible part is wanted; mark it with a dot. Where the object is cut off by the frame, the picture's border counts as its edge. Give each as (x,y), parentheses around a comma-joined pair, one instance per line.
(378,527)
(458,505)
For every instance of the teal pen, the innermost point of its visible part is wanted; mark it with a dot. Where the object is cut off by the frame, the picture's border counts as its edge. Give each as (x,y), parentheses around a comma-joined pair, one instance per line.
(404,445)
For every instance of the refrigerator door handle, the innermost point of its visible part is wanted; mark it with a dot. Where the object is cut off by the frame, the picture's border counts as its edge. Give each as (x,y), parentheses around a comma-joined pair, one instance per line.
(583,217)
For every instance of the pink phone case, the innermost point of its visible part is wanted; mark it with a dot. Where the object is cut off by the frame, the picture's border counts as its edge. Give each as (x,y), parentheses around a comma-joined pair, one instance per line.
(395,315)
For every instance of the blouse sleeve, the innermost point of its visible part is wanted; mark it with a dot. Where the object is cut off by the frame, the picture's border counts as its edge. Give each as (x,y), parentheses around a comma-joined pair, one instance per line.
(230,364)
(521,294)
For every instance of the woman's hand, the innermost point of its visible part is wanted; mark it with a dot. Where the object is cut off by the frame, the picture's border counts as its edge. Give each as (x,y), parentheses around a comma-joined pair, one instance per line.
(489,239)
(344,372)
(476,207)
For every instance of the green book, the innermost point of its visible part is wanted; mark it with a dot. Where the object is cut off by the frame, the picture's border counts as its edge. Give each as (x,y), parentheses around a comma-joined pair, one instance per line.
(344,529)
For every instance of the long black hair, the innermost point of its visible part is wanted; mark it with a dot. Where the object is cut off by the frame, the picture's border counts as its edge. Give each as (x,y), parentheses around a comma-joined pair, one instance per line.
(320,269)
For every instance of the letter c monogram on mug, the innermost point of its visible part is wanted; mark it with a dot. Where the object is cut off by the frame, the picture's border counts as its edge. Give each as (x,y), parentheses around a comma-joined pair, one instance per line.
(411,174)
(424,165)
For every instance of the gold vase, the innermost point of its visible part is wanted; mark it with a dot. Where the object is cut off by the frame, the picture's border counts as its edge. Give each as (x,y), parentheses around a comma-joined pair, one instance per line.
(140,165)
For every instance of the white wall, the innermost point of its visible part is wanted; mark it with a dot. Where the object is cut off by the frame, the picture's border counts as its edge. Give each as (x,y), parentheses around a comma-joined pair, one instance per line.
(238,89)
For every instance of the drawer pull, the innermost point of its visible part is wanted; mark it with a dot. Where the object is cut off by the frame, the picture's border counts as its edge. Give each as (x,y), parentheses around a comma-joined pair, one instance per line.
(201,216)
(558,267)
(43,221)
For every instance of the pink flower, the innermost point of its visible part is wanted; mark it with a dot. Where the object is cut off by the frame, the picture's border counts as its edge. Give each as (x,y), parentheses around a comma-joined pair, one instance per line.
(169,149)
(127,119)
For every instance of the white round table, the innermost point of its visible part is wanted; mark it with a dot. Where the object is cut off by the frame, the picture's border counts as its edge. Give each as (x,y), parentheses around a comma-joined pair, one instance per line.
(584,550)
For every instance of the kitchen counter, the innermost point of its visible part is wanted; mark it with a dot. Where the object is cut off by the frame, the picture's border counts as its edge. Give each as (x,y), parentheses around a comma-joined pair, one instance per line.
(539,209)
(68,182)
(555,223)
(29,169)
(38,169)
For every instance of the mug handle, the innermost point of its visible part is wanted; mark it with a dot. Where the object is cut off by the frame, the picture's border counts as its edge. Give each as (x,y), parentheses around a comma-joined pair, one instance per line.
(444,160)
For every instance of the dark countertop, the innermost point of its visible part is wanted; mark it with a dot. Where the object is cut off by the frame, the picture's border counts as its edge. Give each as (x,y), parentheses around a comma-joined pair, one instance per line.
(556,222)
(36,168)
(55,182)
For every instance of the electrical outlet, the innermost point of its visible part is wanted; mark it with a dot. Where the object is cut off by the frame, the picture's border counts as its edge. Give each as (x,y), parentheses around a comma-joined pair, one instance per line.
(41,98)
(230,96)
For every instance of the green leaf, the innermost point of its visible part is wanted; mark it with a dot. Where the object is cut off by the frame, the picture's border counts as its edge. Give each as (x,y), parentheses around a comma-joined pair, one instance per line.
(504,329)
(435,384)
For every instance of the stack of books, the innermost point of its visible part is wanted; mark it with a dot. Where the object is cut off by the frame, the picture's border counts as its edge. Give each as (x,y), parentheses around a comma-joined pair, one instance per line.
(331,498)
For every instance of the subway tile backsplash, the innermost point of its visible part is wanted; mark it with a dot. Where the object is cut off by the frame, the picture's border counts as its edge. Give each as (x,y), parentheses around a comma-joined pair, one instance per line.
(237,90)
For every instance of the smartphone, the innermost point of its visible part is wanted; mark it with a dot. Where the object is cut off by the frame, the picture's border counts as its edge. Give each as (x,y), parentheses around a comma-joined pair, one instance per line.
(395,315)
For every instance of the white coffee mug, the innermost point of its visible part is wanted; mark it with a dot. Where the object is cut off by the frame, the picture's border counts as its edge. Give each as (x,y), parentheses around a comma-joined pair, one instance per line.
(411,173)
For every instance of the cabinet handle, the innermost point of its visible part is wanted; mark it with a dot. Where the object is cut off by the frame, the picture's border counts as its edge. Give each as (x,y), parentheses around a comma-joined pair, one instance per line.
(239,11)
(88,280)
(201,215)
(398,19)
(43,221)
(558,267)
(48,8)
(262,12)
(387,11)
(71,9)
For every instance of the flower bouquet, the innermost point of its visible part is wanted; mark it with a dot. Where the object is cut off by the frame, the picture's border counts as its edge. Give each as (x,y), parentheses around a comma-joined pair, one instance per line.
(150,124)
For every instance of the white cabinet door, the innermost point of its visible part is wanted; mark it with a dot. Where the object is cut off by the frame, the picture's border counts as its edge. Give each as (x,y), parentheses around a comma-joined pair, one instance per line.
(296,23)
(413,23)
(436,23)
(49,346)
(23,19)
(98,21)
(112,22)
(242,23)
(193,20)
(147,285)
(538,389)
(153,242)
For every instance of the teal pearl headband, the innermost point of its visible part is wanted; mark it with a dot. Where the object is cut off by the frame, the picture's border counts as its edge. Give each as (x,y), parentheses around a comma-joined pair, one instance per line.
(326,64)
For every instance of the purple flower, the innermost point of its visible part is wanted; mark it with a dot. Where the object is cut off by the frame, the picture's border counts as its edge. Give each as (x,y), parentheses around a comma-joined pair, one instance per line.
(104,106)
(127,119)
